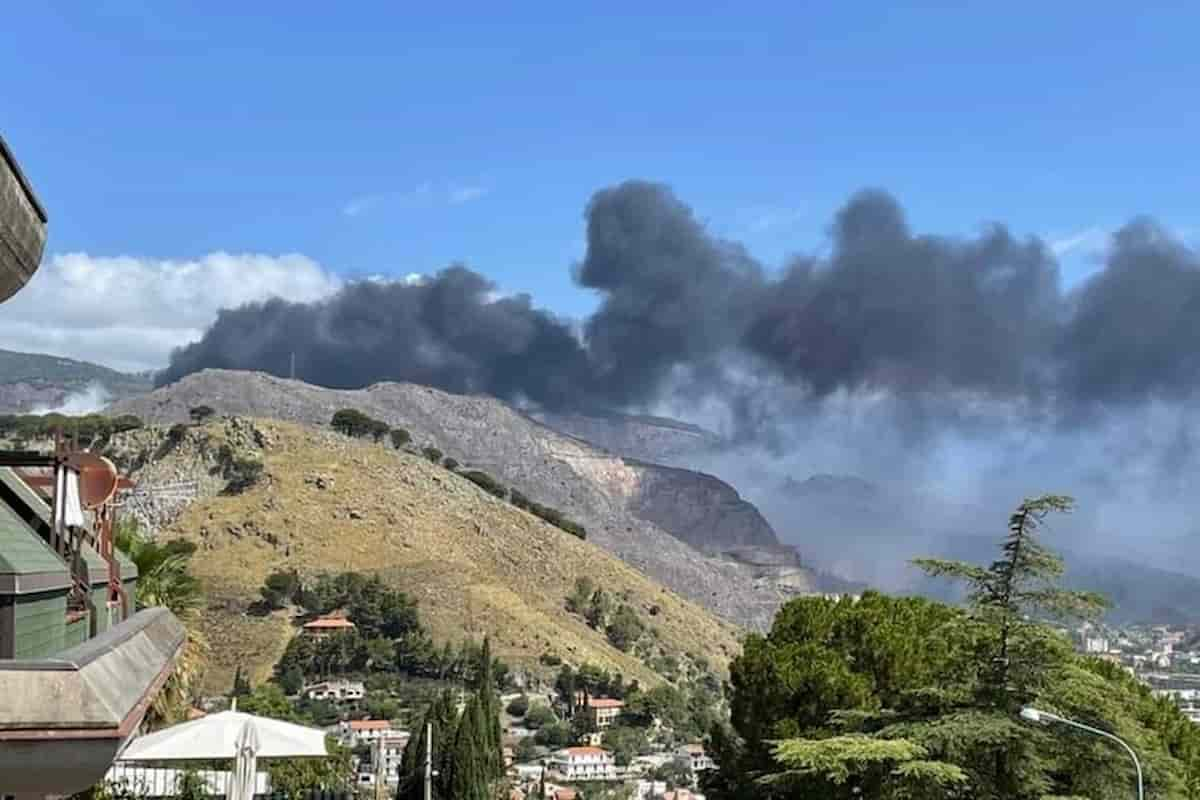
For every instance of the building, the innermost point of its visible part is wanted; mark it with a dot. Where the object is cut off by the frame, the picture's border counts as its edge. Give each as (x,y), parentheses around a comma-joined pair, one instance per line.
(1095,644)
(694,758)
(583,764)
(327,625)
(603,711)
(67,625)
(356,732)
(386,753)
(337,691)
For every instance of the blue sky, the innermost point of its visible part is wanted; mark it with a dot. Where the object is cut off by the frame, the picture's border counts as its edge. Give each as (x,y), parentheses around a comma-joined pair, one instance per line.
(375,138)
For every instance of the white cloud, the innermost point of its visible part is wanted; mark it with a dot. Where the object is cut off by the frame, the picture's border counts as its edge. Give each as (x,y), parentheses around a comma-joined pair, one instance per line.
(465,194)
(423,195)
(129,313)
(1087,242)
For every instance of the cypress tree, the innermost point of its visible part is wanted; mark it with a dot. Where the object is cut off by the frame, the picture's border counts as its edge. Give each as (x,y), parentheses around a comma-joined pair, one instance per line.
(469,780)
(489,702)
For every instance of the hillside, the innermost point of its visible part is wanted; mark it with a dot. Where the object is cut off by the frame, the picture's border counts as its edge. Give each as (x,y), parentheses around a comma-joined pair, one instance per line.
(32,380)
(654,439)
(476,564)
(645,514)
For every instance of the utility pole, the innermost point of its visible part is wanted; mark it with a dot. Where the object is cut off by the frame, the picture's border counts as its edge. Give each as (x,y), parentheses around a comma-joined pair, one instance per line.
(429,761)
(293,370)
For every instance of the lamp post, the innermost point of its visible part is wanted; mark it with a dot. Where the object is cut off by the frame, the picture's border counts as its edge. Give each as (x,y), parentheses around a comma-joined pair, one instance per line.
(1040,717)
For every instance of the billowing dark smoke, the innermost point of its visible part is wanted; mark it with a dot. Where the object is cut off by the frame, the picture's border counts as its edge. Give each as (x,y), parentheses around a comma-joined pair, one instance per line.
(447,332)
(945,326)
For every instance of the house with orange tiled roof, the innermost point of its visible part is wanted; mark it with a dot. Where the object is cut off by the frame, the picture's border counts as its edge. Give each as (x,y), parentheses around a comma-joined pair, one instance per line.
(583,764)
(327,625)
(363,731)
(604,711)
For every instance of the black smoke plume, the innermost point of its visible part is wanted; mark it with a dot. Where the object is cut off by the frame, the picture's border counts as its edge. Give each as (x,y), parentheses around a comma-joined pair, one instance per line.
(945,326)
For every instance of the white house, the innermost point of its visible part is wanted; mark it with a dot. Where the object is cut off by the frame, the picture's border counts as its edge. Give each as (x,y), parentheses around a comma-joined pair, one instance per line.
(363,731)
(338,691)
(583,764)
(694,758)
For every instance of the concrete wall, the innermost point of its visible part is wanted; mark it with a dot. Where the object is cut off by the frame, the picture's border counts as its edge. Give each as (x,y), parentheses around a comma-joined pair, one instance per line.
(100,601)
(38,624)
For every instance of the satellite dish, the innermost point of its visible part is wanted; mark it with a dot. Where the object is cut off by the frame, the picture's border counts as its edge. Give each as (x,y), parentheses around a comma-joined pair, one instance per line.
(97,478)
(22,226)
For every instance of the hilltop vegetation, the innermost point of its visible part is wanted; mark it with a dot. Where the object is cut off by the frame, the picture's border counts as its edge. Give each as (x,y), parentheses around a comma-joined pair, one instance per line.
(324,503)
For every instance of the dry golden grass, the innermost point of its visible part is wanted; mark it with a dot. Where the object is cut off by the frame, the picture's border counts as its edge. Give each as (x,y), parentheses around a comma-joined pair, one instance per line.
(476,564)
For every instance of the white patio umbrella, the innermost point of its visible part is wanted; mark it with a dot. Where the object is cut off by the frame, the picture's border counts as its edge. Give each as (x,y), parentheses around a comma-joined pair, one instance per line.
(245,768)
(235,735)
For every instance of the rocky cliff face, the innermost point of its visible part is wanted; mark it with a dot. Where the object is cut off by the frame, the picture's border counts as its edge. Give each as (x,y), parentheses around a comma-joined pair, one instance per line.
(649,516)
(656,440)
(704,511)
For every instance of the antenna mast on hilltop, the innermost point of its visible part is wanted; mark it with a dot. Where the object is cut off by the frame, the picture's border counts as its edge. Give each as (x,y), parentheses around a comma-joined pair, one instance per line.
(293,370)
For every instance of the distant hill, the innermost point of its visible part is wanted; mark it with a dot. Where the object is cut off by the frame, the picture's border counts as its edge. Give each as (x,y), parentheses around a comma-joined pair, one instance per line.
(669,523)
(31,381)
(476,564)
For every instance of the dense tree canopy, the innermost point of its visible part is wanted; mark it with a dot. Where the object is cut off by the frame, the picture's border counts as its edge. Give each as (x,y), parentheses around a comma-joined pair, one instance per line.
(903,697)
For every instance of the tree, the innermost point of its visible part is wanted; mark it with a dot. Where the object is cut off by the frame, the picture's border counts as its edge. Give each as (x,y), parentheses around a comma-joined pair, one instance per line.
(241,686)
(554,735)
(525,750)
(296,778)
(268,700)
(400,437)
(625,628)
(450,463)
(489,713)
(539,716)
(291,681)
(470,776)
(902,697)
(280,588)
(582,728)
(625,742)
(352,422)
(125,422)
(1003,594)
(190,785)
(432,453)
(581,595)
(598,609)
(200,413)
(165,579)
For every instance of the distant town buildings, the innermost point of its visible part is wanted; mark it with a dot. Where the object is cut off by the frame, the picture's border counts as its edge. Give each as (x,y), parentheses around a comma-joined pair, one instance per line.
(583,764)
(356,732)
(337,691)
(603,711)
(694,758)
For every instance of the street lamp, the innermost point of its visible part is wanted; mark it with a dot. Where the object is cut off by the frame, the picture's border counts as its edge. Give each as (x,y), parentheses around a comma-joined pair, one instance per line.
(1039,717)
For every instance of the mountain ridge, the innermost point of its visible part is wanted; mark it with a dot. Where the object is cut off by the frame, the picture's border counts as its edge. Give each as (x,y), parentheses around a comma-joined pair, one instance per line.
(624,504)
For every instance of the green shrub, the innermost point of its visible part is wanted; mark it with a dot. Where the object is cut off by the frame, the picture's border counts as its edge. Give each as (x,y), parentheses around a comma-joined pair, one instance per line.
(201,413)
(449,463)
(400,437)
(432,453)
(519,706)
(486,482)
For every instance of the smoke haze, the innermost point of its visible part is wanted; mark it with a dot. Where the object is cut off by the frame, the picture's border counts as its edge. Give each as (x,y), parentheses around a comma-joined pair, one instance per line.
(951,368)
